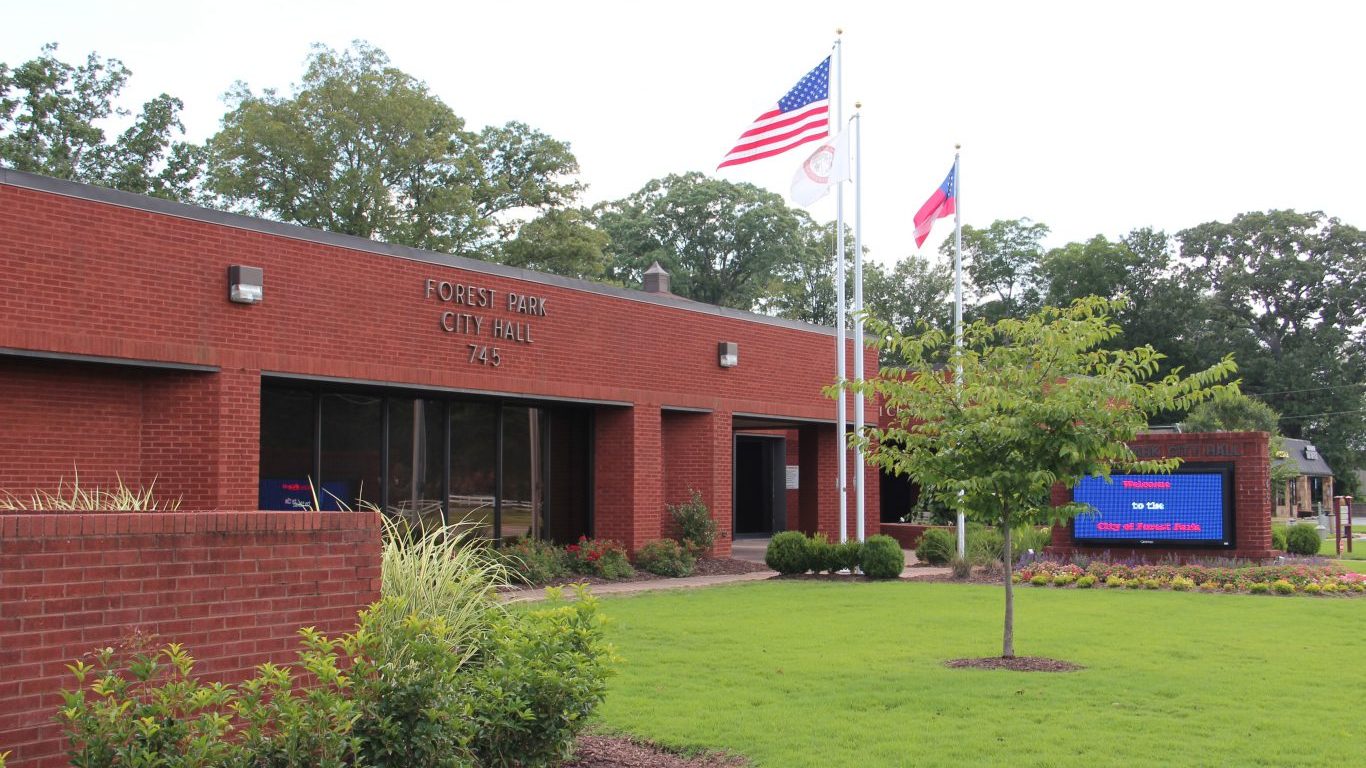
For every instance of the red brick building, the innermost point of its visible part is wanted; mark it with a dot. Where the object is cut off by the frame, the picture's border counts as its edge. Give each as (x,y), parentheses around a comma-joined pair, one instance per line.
(427,384)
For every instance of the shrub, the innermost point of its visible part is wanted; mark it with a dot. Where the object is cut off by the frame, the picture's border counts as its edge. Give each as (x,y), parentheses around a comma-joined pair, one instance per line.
(789,553)
(1258,587)
(1134,583)
(1152,584)
(822,554)
(533,561)
(848,554)
(1063,579)
(1086,582)
(1313,588)
(697,529)
(665,557)
(1039,580)
(1302,539)
(936,546)
(1209,586)
(147,708)
(1183,584)
(962,567)
(1278,537)
(1114,582)
(599,557)
(882,557)
(1282,587)
(984,546)
(1231,586)
(545,672)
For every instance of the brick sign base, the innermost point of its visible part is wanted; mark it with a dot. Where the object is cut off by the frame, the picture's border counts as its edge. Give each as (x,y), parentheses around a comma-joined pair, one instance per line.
(1247,451)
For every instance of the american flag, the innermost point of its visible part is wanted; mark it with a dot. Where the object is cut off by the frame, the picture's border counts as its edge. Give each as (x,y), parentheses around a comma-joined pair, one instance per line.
(800,116)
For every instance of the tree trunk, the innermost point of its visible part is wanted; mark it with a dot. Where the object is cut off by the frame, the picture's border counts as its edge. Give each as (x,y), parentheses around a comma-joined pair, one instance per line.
(1008,639)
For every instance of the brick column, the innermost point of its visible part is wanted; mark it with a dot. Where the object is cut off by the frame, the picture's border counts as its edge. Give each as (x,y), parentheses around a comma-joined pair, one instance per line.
(628,495)
(818,458)
(201,437)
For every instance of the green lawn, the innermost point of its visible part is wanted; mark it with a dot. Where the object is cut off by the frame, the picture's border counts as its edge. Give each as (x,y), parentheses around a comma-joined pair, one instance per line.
(1328,548)
(824,674)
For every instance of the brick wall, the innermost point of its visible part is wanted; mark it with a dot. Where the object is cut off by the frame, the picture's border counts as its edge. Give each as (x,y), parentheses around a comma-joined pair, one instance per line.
(1247,451)
(232,587)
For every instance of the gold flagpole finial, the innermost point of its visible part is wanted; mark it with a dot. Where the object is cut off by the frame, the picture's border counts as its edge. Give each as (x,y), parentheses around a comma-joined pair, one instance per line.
(839,31)
(858,105)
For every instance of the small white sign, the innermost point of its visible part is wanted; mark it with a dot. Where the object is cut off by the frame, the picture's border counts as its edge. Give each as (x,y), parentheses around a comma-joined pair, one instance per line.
(793,472)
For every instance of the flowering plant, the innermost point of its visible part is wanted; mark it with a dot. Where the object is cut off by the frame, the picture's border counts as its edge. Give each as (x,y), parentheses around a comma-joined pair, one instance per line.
(599,557)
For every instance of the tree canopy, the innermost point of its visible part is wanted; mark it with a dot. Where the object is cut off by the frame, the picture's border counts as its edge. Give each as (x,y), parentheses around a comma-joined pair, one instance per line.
(52,121)
(1040,402)
(722,243)
(363,148)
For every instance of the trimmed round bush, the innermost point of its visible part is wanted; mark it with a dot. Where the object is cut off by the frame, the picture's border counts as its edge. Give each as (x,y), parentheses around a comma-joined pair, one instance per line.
(1302,539)
(824,555)
(665,557)
(882,557)
(1086,582)
(937,546)
(789,553)
(848,554)
(1278,537)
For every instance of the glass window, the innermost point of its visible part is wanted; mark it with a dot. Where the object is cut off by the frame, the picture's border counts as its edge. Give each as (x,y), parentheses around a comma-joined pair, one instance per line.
(286,448)
(522,483)
(417,460)
(474,466)
(352,433)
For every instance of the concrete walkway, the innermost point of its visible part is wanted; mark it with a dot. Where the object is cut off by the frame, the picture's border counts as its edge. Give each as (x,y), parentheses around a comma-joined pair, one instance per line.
(687,582)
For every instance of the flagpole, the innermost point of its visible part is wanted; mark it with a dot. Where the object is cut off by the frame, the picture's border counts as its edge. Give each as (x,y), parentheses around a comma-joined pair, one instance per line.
(958,305)
(839,305)
(858,311)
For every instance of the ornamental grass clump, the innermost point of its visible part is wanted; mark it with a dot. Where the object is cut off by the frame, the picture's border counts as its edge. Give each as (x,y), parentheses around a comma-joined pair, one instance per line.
(443,571)
(78,498)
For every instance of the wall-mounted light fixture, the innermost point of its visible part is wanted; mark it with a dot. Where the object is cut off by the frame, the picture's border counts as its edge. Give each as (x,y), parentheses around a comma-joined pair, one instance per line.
(245,284)
(728,354)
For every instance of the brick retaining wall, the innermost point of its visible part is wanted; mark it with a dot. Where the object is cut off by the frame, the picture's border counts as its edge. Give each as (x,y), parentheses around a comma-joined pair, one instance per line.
(233,588)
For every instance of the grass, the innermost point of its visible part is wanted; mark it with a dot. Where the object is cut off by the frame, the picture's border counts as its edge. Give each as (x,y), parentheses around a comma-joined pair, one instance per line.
(1328,548)
(814,674)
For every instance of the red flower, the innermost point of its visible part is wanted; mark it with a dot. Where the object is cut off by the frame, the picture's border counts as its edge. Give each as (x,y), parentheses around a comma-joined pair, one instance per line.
(572,548)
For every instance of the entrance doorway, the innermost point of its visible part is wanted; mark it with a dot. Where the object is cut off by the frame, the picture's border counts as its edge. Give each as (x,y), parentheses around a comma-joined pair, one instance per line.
(760,493)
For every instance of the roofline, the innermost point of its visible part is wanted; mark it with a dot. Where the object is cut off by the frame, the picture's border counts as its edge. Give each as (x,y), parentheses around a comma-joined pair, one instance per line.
(107,196)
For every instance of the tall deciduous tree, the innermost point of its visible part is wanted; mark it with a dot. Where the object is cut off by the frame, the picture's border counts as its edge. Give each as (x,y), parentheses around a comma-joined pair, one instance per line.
(1039,403)
(1002,263)
(52,121)
(562,242)
(1285,293)
(722,243)
(363,148)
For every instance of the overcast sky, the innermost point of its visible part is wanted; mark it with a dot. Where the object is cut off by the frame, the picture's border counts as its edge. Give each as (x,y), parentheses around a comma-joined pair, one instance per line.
(1092,117)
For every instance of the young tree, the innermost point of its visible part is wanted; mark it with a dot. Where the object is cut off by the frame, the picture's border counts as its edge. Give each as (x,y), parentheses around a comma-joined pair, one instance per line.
(1039,403)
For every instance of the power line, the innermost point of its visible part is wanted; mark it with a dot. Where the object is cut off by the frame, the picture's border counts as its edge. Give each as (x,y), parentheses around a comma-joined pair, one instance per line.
(1326,413)
(1297,391)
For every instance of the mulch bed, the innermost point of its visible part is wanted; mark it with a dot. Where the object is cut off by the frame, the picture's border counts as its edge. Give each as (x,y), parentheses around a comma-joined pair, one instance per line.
(979,576)
(595,751)
(706,566)
(1016,664)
